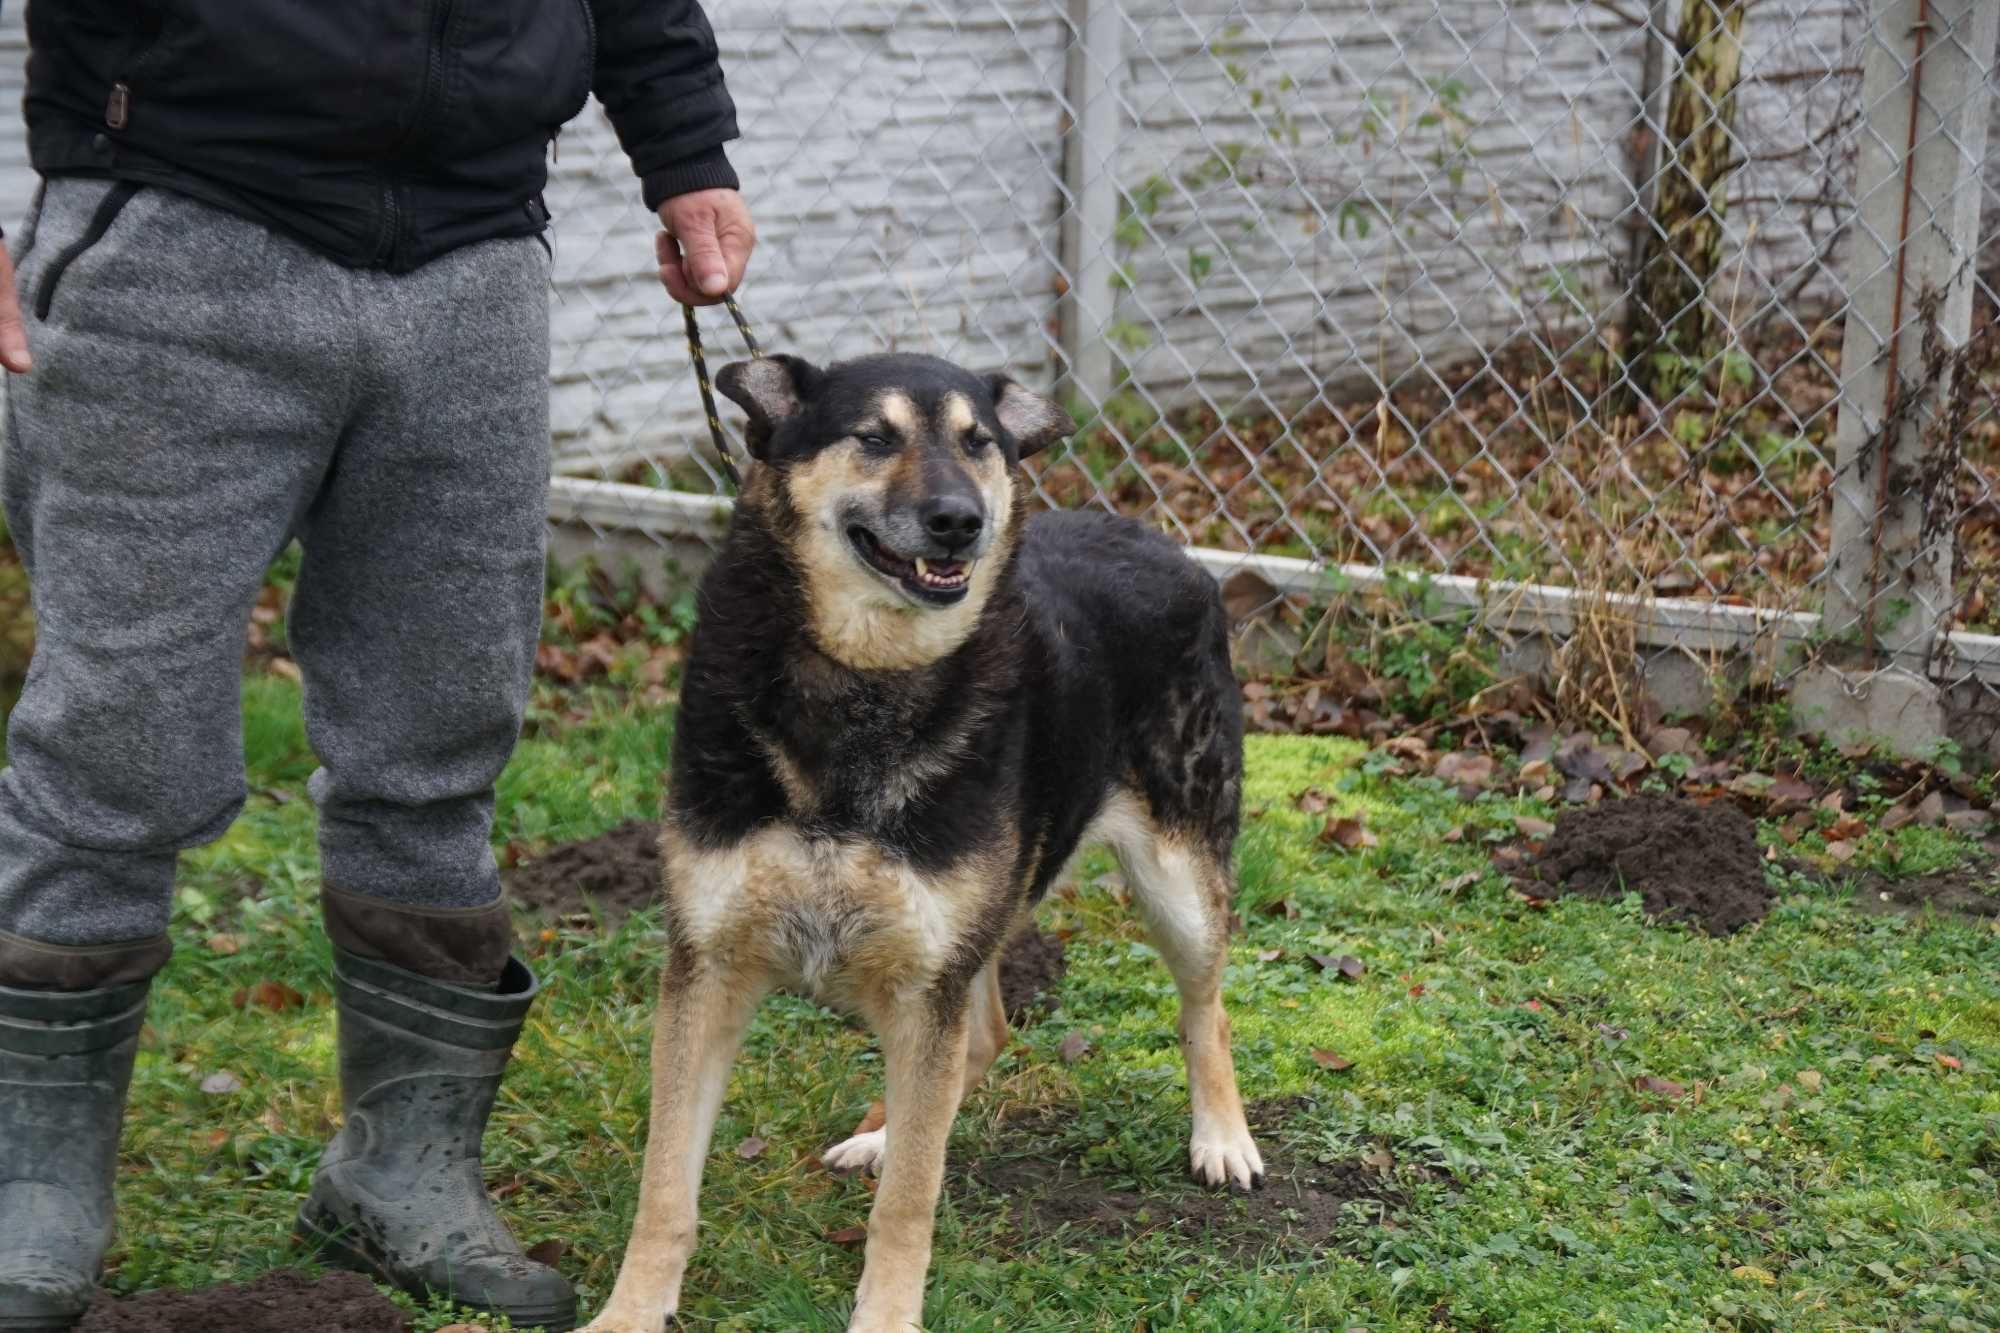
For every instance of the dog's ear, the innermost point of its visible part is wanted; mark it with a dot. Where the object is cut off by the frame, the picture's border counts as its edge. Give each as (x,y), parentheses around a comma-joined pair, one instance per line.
(770,389)
(1035,422)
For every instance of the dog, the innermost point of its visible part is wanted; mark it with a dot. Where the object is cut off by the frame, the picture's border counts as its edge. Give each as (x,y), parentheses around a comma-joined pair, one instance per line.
(907,705)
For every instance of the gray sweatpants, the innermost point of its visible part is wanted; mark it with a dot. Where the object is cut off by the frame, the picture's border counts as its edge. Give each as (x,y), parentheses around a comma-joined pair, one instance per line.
(205,390)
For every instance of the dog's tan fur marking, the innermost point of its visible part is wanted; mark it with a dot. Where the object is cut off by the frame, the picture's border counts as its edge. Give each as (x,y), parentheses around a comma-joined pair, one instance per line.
(959,416)
(856,619)
(901,413)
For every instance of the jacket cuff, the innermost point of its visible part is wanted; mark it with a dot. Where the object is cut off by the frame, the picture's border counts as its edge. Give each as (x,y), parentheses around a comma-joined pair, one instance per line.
(704,171)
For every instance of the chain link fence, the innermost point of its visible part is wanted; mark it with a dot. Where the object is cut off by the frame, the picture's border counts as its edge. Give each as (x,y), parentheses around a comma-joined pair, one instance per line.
(1681,308)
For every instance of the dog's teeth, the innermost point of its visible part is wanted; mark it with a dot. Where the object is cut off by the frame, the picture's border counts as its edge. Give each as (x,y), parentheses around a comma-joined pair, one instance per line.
(923,570)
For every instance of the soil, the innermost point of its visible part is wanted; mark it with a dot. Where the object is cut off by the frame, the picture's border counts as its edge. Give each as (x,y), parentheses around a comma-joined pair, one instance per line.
(284,1300)
(1697,863)
(1030,970)
(1303,1206)
(1967,893)
(612,875)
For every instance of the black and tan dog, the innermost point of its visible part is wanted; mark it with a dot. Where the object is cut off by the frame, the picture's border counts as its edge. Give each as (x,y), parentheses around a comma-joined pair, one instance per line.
(907,707)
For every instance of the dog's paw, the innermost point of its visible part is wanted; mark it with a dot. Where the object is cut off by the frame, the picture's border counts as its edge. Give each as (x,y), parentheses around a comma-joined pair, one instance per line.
(860,1154)
(617,1321)
(1226,1157)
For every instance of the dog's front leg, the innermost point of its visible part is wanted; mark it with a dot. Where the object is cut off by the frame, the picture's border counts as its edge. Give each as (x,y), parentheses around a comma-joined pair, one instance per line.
(696,1032)
(924,1051)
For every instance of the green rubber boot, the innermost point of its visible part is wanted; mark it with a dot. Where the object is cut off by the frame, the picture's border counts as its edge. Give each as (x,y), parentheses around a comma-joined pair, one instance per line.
(65,1064)
(399,1195)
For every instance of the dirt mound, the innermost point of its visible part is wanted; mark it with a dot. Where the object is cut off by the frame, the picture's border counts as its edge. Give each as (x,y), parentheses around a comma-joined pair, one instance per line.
(282,1301)
(1302,1208)
(612,875)
(1030,970)
(1967,893)
(1689,862)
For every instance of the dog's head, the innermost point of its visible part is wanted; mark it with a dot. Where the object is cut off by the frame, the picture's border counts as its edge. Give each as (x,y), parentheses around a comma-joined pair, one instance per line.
(898,472)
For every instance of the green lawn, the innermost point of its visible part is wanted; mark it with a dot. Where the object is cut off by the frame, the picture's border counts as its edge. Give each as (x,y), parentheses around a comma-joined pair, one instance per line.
(1828,1169)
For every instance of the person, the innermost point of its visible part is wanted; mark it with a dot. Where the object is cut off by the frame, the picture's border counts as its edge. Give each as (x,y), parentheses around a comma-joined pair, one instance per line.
(286,277)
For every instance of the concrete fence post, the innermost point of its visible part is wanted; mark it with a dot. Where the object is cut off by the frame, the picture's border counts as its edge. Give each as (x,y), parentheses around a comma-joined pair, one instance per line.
(1090,224)
(1926,97)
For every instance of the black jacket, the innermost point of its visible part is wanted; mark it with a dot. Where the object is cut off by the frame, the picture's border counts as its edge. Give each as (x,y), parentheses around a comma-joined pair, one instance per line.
(382,132)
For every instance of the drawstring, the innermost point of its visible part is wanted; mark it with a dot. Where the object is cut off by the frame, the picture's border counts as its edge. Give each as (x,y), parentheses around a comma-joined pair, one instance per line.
(722,453)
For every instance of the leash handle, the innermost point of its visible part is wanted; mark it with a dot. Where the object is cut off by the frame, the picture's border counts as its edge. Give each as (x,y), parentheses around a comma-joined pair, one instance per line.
(722,451)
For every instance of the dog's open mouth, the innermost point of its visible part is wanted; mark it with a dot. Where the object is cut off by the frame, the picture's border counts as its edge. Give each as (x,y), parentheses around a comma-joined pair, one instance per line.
(938,582)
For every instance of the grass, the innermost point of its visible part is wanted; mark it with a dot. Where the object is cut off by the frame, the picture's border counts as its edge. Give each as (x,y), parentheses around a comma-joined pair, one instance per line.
(1828,1169)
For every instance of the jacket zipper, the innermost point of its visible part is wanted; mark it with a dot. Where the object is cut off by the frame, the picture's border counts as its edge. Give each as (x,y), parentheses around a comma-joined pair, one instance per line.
(393,210)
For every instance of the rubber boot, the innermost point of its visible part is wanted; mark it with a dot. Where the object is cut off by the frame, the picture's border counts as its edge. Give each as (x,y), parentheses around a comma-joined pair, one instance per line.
(398,1194)
(65,1066)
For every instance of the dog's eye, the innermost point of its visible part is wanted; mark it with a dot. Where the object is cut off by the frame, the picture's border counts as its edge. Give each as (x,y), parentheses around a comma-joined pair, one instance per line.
(876,444)
(974,443)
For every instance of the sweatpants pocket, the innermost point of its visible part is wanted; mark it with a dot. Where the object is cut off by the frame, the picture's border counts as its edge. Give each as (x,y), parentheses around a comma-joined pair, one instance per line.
(106,213)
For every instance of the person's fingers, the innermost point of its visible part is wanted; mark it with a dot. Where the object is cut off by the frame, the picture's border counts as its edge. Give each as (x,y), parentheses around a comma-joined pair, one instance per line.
(14,354)
(674,275)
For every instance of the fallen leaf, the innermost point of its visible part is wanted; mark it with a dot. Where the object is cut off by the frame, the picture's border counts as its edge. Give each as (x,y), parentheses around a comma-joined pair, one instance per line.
(1284,907)
(273,996)
(1347,832)
(221,1084)
(1073,1048)
(548,1251)
(1901,816)
(1326,1059)
(1788,793)
(1245,593)
(465,1328)
(847,1236)
(1949,1061)
(1468,770)
(1846,829)
(1752,1273)
(1460,883)
(1930,811)
(1610,1033)
(1313,801)
(751,1148)
(1270,955)
(224,944)
(1378,1157)
(1659,1087)
(1530,827)
(1417,989)
(1810,1079)
(1841,851)
(215,1139)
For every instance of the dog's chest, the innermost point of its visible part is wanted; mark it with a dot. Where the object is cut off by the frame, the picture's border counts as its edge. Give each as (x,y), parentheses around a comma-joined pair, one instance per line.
(815,911)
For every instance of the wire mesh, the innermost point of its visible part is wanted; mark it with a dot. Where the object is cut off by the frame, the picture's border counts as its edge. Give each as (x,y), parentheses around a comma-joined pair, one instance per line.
(1551,292)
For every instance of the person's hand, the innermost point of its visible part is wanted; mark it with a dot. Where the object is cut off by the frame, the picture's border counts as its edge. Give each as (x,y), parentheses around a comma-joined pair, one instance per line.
(706,245)
(13,333)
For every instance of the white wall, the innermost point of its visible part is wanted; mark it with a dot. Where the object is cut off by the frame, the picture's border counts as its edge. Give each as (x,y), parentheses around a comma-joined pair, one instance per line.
(904,161)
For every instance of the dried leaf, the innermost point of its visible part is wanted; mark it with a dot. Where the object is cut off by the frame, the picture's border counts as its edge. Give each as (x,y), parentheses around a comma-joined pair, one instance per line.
(548,1251)
(1901,816)
(1810,1080)
(215,1140)
(1313,801)
(1659,1087)
(1846,829)
(1536,829)
(1949,1061)
(1841,851)
(1751,1273)
(1327,1059)
(1468,770)
(1073,1048)
(224,944)
(1270,955)
(1245,593)
(1460,883)
(751,1148)
(273,996)
(221,1084)
(1930,811)
(1378,1157)
(847,1236)
(1348,832)
(465,1328)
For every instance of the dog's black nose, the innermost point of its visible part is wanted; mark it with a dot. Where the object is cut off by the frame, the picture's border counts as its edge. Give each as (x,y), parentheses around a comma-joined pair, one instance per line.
(953,521)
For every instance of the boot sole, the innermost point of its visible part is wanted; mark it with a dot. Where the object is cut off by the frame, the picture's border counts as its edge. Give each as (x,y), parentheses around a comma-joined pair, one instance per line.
(339,1254)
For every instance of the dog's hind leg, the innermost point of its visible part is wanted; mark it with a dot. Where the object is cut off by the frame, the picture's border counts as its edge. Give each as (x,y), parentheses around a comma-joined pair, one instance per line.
(1183,890)
(924,1041)
(987,1038)
(697,1030)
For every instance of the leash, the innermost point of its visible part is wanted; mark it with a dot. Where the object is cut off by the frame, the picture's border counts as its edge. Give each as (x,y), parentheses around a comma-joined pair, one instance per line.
(722,452)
